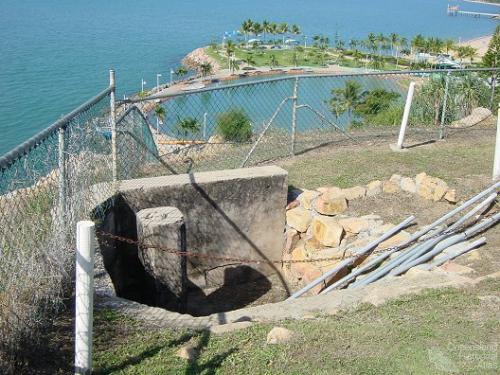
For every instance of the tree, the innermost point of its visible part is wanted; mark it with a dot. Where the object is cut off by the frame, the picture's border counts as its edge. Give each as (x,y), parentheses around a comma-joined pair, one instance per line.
(283,29)
(160,113)
(273,62)
(357,56)
(234,126)
(295,29)
(295,59)
(187,126)
(206,69)
(181,71)
(394,38)
(449,45)
(266,28)
(345,99)
(418,43)
(233,64)
(249,59)
(470,53)
(375,101)
(246,28)
(462,53)
(256,28)
(491,59)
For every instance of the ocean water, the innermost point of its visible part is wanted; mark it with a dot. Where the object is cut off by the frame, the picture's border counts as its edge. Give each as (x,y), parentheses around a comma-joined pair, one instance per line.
(54,54)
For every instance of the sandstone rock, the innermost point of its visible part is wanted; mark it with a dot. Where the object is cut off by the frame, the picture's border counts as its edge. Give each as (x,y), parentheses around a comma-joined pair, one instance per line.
(420,177)
(332,190)
(477,115)
(451,196)
(407,184)
(396,178)
(279,335)
(373,188)
(307,197)
(356,225)
(327,231)
(431,188)
(390,187)
(292,236)
(330,204)
(299,253)
(188,352)
(298,218)
(355,192)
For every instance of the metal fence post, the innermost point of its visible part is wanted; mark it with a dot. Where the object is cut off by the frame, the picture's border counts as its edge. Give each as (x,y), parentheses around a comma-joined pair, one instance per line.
(406,116)
(496,160)
(112,118)
(62,176)
(84,296)
(205,126)
(294,114)
(445,102)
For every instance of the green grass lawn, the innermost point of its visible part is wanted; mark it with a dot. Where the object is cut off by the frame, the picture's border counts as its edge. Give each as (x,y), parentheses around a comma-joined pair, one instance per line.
(436,332)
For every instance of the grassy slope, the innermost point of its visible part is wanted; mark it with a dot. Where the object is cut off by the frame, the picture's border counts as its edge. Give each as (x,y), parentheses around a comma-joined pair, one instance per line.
(437,330)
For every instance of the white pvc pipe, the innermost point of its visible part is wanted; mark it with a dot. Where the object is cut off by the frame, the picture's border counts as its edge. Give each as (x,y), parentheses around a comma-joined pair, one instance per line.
(496,161)
(84,295)
(406,115)
(454,255)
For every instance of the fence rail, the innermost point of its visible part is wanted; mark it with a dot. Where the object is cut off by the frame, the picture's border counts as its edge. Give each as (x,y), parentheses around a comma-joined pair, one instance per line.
(60,175)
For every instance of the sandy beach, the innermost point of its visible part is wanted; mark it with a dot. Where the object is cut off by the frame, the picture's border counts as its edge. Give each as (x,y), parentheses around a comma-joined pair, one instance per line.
(481,44)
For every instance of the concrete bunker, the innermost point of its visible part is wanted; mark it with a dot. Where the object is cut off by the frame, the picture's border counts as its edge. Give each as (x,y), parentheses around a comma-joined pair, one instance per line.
(194,230)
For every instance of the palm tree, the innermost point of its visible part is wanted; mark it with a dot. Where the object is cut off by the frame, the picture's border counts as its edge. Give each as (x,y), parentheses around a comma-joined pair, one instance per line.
(266,28)
(206,69)
(273,28)
(160,114)
(356,55)
(417,43)
(246,28)
(295,59)
(470,53)
(283,29)
(394,38)
(461,53)
(273,62)
(449,45)
(256,28)
(249,59)
(188,125)
(233,64)
(345,99)
(295,30)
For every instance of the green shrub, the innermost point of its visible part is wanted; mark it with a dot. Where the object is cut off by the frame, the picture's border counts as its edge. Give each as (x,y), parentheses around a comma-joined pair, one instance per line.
(234,126)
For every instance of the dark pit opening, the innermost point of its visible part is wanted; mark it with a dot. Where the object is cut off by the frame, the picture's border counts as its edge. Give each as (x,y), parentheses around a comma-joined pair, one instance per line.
(211,290)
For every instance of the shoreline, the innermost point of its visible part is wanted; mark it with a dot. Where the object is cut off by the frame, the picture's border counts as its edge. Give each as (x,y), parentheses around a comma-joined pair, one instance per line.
(480,43)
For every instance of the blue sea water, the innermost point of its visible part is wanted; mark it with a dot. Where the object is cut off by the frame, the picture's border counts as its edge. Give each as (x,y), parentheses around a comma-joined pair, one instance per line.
(54,54)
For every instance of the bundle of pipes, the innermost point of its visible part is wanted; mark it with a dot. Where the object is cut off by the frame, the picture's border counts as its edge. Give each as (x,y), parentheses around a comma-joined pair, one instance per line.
(442,238)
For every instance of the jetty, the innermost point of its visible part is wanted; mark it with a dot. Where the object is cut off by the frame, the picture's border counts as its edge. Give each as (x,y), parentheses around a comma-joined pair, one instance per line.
(455,11)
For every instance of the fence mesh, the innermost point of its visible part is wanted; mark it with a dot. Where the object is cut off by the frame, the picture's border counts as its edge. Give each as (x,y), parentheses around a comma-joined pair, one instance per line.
(249,123)
(62,175)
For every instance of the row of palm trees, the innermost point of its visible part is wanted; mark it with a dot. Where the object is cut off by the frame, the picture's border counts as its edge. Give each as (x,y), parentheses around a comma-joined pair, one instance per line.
(250,27)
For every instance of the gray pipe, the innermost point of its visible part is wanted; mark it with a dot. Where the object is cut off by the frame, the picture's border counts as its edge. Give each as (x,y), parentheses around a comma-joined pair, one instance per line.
(454,255)
(349,261)
(400,259)
(404,255)
(447,243)
(472,212)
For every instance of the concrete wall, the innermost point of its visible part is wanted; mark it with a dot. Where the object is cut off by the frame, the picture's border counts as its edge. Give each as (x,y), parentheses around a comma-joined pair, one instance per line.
(235,213)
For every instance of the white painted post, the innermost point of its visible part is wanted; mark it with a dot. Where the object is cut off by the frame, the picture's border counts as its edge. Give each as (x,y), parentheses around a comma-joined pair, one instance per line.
(112,118)
(496,161)
(84,296)
(205,125)
(294,114)
(406,115)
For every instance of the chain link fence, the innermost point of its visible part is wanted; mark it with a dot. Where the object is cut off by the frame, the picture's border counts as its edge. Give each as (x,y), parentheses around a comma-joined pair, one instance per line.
(229,125)
(61,175)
